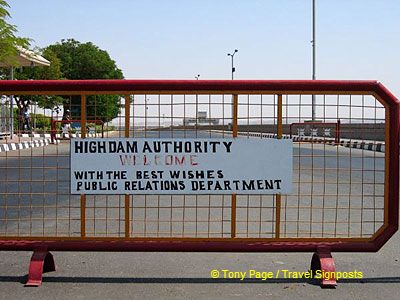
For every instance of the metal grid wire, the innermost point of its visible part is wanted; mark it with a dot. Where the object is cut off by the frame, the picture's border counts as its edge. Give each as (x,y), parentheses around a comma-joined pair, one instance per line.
(338,188)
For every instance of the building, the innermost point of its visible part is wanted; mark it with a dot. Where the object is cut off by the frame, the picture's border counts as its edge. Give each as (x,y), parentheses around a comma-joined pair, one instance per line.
(201,119)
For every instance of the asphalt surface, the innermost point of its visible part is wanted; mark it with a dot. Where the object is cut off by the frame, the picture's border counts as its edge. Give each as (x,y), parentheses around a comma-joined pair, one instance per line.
(187,275)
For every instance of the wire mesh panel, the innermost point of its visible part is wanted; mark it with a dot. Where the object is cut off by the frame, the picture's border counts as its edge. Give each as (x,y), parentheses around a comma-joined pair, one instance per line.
(339,190)
(340,167)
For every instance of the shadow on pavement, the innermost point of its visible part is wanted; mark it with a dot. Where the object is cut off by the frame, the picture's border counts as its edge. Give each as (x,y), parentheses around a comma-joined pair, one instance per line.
(64,279)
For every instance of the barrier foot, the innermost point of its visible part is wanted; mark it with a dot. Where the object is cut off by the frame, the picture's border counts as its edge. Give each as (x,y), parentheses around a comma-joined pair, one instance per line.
(322,260)
(41,262)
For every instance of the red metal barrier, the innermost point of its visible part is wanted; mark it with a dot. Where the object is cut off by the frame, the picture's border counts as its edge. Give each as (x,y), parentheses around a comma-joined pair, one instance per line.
(322,246)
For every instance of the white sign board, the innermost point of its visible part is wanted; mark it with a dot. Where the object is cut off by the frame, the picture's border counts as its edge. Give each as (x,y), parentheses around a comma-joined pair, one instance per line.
(181,166)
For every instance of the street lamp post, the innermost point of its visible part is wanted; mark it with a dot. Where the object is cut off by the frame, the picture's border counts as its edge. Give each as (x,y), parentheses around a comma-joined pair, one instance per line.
(313,59)
(197,104)
(233,71)
(145,113)
(232,55)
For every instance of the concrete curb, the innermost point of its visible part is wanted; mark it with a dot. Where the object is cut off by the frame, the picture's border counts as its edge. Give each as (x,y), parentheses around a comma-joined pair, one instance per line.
(44,141)
(35,135)
(58,135)
(25,145)
(74,135)
(355,144)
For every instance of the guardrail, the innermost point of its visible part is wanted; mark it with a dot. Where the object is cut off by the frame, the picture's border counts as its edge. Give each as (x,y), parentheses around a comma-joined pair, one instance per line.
(342,199)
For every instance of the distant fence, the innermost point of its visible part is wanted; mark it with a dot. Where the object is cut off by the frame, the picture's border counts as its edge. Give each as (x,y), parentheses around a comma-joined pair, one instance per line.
(366,131)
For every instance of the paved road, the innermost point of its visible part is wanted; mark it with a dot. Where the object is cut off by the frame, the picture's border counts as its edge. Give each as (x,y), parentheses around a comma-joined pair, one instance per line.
(186,275)
(38,181)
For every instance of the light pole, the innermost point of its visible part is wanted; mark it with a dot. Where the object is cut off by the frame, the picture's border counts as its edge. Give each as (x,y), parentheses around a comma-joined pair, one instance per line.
(232,55)
(313,43)
(233,71)
(145,112)
(197,103)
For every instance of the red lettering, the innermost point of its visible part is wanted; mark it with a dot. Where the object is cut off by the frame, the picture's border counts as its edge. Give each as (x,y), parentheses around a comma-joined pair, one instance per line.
(180,162)
(193,161)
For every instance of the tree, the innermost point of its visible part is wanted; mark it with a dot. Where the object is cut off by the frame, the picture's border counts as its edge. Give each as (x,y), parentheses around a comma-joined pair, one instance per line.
(87,61)
(8,39)
(71,59)
(9,44)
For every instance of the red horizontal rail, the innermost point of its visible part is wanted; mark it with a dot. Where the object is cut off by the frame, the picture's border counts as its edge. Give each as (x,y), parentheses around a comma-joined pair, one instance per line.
(187,246)
(188,85)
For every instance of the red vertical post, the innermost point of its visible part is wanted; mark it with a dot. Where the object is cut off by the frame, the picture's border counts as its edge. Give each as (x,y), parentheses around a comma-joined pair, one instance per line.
(234,135)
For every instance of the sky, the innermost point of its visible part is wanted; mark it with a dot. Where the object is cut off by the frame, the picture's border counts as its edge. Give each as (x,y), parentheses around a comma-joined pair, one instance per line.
(357,39)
